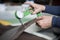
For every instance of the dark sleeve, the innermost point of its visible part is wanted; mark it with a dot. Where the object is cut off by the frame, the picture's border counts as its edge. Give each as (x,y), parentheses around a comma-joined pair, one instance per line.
(56,21)
(55,10)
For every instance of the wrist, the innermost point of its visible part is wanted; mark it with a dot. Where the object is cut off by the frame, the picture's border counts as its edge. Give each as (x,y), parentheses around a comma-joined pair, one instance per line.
(43,8)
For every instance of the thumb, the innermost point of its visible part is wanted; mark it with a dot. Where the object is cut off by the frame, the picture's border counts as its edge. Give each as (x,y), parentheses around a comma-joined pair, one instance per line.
(36,11)
(40,18)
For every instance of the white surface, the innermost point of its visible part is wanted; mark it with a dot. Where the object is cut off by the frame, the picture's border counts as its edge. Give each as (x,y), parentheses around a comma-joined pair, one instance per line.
(2,7)
(33,29)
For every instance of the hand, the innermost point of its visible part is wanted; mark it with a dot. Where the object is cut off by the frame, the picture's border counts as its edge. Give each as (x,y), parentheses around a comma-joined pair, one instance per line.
(37,7)
(45,21)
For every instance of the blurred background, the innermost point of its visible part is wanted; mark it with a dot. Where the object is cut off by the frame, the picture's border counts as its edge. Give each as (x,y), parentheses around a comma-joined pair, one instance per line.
(45,2)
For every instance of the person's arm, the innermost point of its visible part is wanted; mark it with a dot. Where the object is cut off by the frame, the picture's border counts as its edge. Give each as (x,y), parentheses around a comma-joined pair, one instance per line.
(55,10)
(56,21)
(46,21)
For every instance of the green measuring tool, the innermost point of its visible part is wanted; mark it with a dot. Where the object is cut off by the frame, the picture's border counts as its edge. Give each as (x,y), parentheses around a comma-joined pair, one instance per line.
(27,12)
(19,14)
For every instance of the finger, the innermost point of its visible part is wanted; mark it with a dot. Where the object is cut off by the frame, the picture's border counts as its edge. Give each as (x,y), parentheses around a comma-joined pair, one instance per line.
(36,11)
(40,18)
(30,3)
(38,23)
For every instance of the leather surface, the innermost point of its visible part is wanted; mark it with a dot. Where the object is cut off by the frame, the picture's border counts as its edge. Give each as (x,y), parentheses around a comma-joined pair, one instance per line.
(26,36)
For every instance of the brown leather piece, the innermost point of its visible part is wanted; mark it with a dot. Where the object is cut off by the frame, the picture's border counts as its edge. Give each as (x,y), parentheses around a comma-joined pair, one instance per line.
(3,28)
(26,36)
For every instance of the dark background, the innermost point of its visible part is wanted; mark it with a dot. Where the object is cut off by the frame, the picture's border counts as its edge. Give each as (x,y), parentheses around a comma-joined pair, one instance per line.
(45,2)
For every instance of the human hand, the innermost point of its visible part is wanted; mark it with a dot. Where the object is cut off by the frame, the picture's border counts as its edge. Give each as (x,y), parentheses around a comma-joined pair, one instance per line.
(37,7)
(45,21)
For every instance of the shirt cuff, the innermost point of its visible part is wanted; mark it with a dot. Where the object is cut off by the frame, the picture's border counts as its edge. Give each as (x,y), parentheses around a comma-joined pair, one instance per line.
(47,8)
(54,21)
